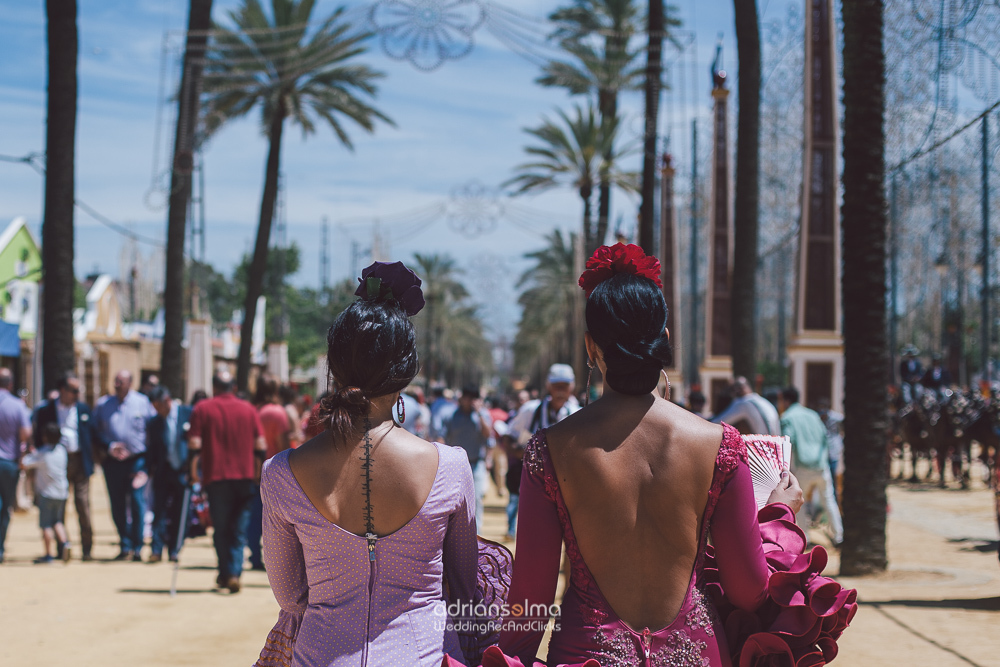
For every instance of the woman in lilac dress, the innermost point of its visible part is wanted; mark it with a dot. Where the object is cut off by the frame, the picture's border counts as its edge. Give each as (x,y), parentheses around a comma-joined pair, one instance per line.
(634,485)
(369,531)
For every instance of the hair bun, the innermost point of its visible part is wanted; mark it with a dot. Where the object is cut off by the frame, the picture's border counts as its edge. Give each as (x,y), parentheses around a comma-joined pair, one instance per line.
(626,316)
(351,395)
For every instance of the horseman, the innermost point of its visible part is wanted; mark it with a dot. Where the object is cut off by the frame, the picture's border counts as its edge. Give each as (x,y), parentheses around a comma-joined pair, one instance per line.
(937,378)
(910,373)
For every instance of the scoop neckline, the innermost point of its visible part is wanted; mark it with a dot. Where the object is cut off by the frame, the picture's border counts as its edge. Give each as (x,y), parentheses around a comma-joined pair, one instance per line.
(423,506)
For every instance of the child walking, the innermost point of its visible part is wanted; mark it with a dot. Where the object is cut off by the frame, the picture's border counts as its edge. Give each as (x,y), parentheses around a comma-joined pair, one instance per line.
(51,489)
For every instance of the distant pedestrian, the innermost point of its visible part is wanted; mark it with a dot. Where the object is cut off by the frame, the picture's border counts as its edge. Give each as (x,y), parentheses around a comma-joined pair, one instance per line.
(73,418)
(278,434)
(834,422)
(441,409)
(290,399)
(121,432)
(227,448)
(15,428)
(51,489)
(151,382)
(696,402)
(750,410)
(468,427)
(810,461)
(167,454)
(532,415)
(198,396)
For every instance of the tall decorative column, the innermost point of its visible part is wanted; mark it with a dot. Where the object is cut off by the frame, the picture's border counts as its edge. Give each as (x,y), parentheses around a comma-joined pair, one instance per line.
(816,352)
(716,371)
(670,265)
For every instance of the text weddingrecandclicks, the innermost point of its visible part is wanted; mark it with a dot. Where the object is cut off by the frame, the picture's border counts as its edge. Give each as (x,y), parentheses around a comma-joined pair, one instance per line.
(468,618)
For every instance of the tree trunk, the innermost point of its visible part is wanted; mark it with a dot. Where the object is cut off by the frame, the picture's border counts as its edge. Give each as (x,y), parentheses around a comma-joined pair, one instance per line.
(608,103)
(258,265)
(864,287)
(743,334)
(171,354)
(57,220)
(586,192)
(652,93)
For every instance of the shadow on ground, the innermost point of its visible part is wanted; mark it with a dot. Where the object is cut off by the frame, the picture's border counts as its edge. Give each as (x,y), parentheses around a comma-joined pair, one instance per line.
(973,604)
(982,546)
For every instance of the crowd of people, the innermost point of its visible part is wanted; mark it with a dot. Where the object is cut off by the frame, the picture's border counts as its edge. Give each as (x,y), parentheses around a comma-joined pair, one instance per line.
(151,449)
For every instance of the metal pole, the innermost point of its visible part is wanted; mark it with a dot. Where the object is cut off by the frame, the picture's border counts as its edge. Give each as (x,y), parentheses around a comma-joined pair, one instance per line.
(984,296)
(893,278)
(692,356)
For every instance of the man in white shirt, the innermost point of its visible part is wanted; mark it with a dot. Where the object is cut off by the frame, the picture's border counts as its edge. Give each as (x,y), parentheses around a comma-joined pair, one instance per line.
(558,404)
(748,406)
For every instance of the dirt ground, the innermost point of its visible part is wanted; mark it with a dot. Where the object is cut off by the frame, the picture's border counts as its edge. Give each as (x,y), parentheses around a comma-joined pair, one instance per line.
(939,603)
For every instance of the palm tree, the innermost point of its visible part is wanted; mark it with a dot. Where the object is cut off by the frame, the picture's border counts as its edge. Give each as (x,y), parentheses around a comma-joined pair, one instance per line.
(742,310)
(276,62)
(546,332)
(604,71)
(578,152)
(442,290)
(864,286)
(655,21)
(171,357)
(57,221)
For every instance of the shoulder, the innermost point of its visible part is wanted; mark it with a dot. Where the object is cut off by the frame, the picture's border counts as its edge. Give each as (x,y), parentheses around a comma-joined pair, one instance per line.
(451,457)
(732,450)
(536,454)
(137,398)
(274,468)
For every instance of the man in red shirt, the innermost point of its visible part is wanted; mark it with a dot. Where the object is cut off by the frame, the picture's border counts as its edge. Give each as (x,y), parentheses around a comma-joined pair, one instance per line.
(227,448)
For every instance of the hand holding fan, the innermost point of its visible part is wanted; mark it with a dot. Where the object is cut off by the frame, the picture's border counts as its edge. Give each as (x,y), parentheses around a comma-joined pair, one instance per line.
(767,457)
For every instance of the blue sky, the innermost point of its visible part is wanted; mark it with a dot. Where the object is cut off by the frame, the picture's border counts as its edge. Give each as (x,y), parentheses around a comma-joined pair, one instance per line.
(459,123)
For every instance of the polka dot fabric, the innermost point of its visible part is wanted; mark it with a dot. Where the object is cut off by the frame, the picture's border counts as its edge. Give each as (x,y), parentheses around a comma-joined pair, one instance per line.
(320,575)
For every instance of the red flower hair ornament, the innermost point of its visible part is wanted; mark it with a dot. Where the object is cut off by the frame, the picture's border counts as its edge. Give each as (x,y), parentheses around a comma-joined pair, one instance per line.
(619,258)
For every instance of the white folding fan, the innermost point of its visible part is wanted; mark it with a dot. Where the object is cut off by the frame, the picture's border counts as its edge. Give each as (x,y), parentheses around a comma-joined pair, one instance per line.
(767,456)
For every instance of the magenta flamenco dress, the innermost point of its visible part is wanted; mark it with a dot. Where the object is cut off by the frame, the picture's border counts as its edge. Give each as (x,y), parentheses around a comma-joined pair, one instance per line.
(754,599)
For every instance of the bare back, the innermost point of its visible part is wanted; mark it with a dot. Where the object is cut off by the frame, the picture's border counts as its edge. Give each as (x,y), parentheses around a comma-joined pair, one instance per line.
(635,476)
(402,475)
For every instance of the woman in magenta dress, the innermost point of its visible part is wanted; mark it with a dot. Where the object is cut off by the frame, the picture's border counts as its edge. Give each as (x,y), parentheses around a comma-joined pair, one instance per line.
(634,486)
(369,531)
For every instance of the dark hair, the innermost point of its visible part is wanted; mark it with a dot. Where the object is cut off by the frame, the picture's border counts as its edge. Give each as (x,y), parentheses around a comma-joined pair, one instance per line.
(198,396)
(626,316)
(65,378)
(267,390)
(790,394)
(287,393)
(470,391)
(52,434)
(372,351)
(222,383)
(159,393)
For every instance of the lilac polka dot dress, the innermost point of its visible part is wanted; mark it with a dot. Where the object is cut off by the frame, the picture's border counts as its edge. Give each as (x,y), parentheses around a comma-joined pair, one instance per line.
(340,607)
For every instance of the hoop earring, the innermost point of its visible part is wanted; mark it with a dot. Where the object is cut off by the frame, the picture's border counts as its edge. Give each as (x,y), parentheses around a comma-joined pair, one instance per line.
(590,374)
(666,391)
(401,410)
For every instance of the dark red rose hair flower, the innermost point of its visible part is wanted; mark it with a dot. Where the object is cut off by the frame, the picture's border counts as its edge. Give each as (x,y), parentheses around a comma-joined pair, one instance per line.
(619,258)
(384,281)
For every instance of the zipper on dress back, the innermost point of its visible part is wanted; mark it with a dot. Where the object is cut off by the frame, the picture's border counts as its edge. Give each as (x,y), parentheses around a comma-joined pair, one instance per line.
(645,644)
(370,536)
(372,577)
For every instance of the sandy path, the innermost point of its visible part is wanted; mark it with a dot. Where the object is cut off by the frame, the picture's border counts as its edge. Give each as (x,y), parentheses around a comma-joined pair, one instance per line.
(938,605)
